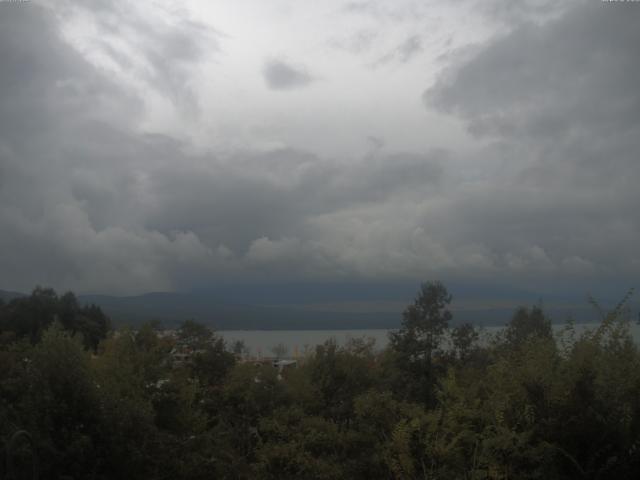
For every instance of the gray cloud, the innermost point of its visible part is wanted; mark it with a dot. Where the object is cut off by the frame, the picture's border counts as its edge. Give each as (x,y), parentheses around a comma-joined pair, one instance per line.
(526,11)
(280,75)
(403,53)
(157,53)
(536,80)
(274,194)
(397,11)
(562,101)
(410,47)
(567,89)
(360,42)
(89,201)
(71,176)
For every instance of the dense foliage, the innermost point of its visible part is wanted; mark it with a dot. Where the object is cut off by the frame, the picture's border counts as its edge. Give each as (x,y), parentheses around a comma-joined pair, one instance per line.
(439,402)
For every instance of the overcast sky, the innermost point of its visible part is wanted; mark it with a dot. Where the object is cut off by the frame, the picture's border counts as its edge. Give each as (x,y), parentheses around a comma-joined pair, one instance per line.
(166,146)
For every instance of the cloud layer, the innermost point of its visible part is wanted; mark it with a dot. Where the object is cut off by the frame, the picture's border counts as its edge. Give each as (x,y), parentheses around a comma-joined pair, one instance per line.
(280,75)
(540,191)
(561,103)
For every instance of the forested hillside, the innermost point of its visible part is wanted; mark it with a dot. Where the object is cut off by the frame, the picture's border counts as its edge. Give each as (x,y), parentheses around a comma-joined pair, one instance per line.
(100,404)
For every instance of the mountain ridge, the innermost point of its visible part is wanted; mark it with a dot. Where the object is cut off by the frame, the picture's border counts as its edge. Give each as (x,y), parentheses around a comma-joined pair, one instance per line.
(312,307)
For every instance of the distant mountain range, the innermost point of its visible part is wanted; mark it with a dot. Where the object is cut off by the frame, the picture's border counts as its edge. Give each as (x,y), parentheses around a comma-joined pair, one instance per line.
(316,306)
(7,296)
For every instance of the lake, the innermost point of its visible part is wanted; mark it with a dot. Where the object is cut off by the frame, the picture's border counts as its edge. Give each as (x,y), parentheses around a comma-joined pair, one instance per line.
(261,342)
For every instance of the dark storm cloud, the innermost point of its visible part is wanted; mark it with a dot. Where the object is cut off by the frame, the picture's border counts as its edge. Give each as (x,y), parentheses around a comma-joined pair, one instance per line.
(567,90)
(562,100)
(279,75)
(71,173)
(273,194)
(575,74)
(88,202)
(38,70)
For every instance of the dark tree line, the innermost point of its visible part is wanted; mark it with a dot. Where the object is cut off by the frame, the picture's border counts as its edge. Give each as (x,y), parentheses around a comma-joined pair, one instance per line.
(438,403)
(28,317)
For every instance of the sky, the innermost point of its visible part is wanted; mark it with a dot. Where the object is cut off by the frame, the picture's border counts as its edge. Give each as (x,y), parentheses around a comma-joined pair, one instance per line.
(173,146)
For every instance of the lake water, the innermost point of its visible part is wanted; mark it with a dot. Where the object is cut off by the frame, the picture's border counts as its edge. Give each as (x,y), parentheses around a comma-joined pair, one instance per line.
(261,342)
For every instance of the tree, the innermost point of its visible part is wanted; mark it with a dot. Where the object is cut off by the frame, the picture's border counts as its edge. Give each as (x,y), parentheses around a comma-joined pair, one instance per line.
(339,375)
(526,324)
(194,334)
(210,359)
(239,348)
(28,317)
(423,325)
(463,339)
(62,405)
(93,324)
(212,363)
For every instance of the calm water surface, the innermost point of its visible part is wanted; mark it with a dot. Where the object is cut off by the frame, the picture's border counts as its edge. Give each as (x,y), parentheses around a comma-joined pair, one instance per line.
(261,342)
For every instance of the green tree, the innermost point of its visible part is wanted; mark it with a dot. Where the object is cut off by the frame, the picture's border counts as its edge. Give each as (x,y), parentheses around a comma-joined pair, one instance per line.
(28,317)
(339,375)
(239,348)
(417,341)
(297,445)
(61,406)
(528,323)
(463,339)
(210,359)
(194,334)
(250,393)
(212,362)
(126,374)
(424,323)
